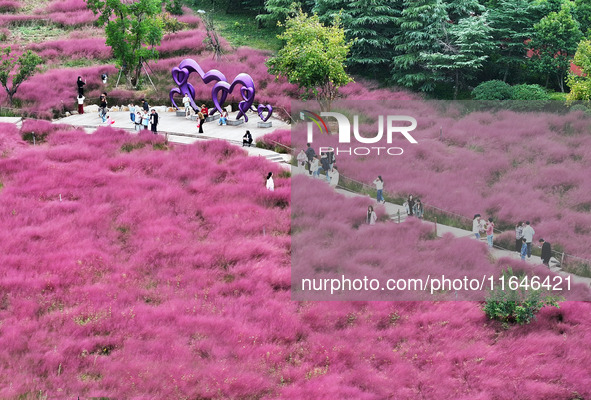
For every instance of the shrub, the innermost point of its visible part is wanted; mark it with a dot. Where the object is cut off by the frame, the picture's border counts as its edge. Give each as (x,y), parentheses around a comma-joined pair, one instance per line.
(529,97)
(516,305)
(493,90)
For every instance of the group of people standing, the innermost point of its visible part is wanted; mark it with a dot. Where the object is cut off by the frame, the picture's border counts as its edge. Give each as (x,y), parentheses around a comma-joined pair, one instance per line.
(142,117)
(202,113)
(314,163)
(480,225)
(524,237)
(413,207)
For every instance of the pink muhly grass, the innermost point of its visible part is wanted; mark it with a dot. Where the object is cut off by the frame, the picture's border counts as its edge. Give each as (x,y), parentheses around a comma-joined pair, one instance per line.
(9,6)
(89,48)
(282,136)
(65,6)
(182,42)
(153,277)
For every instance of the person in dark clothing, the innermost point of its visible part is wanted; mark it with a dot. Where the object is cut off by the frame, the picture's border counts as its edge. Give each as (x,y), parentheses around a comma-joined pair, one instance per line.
(247,139)
(80,84)
(145,105)
(324,164)
(201,118)
(103,107)
(310,153)
(411,204)
(546,252)
(154,120)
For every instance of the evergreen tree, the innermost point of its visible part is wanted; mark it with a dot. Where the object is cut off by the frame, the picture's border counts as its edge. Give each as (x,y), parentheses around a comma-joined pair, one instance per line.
(513,26)
(555,41)
(583,14)
(457,9)
(420,25)
(372,26)
(465,47)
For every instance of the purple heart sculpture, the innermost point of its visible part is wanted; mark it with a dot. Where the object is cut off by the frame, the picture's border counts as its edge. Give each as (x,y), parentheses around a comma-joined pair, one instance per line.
(247,91)
(262,108)
(180,75)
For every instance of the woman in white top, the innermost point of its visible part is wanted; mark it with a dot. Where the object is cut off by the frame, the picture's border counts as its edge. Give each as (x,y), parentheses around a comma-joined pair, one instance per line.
(315,166)
(270,183)
(371,216)
(379,182)
(476,226)
(334,176)
(302,158)
(187,104)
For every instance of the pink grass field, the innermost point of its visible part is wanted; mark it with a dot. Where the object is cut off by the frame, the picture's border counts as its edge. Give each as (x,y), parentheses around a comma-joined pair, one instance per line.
(164,272)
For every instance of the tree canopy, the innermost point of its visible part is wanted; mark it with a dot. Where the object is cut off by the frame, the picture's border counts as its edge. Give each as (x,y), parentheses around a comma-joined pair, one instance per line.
(313,57)
(21,69)
(133,29)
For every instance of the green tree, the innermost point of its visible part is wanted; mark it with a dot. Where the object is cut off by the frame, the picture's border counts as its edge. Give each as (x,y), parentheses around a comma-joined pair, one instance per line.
(555,41)
(513,26)
(583,13)
(465,48)
(21,69)
(420,26)
(313,57)
(277,11)
(371,24)
(458,9)
(580,85)
(133,29)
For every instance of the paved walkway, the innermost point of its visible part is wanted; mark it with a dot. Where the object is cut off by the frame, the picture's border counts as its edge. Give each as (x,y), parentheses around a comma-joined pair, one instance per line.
(182,130)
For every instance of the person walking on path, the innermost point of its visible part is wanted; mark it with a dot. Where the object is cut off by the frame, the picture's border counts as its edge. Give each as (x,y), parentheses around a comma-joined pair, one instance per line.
(311,154)
(145,105)
(187,104)
(476,226)
(103,107)
(419,210)
(324,164)
(411,204)
(302,158)
(270,183)
(518,236)
(490,230)
(546,252)
(379,182)
(145,120)
(528,234)
(80,83)
(201,118)
(315,167)
(132,113)
(334,176)
(371,216)
(80,104)
(138,121)
(154,121)
(523,252)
